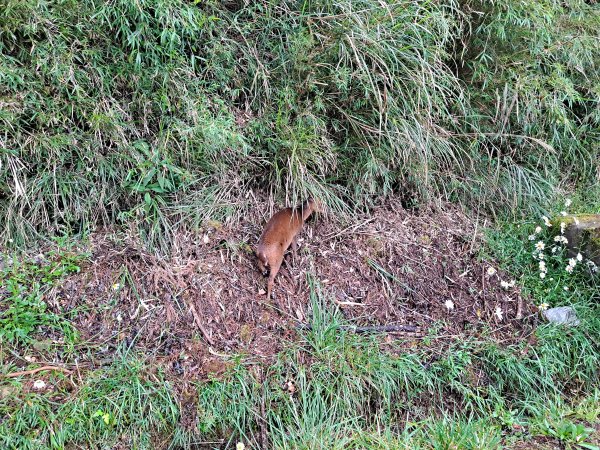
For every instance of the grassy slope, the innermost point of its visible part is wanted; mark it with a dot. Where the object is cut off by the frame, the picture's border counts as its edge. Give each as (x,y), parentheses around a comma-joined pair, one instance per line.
(149,113)
(328,390)
(351,396)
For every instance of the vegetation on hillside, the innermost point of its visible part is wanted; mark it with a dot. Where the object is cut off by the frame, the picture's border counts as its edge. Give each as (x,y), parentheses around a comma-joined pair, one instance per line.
(158,114)
(151,112)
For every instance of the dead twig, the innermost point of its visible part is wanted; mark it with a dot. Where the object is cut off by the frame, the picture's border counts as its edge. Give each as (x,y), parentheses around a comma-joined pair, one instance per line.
(352,229)
(221,355)
(200,326)
(36,370)
(337,302)
(519,314)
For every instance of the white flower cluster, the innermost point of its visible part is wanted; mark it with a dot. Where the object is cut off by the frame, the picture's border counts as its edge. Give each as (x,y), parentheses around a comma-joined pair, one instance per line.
(573,262)
(560,239)
(507,285)
(491,271)
(540,246)
(546,221)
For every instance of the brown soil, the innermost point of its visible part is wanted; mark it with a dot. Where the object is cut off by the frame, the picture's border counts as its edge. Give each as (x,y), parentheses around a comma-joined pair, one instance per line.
(535,443)
(392,267)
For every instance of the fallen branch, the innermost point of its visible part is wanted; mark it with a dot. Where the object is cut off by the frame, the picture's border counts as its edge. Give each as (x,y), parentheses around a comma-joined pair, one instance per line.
(519,314)
(373,329)
(221,355)
(337,302)
(39,369)
(200,326)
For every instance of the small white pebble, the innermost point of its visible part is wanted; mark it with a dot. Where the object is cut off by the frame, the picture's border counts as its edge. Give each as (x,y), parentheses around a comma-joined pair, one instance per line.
(499,313)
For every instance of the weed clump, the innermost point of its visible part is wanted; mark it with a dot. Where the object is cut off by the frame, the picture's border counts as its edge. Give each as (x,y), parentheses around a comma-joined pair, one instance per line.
(166,113)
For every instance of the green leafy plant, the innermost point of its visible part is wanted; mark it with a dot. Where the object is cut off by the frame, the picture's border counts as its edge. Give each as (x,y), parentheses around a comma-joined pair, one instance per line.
(573,435)
(25,311)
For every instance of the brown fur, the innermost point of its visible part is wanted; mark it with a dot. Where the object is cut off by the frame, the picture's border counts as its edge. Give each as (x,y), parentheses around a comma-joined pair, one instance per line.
(280,232)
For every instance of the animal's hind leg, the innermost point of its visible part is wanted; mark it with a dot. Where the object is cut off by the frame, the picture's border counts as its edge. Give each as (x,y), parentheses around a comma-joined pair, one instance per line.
(294,255)
(294,250)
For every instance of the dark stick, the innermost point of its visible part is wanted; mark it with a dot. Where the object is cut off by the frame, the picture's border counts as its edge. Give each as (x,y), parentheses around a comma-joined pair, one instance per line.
(379,329)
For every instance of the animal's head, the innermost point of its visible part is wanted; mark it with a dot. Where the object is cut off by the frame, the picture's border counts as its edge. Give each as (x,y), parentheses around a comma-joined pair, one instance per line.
(263,264)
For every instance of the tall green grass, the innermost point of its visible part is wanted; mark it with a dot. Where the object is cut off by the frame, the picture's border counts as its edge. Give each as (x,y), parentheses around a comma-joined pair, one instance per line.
(533,76)
(162,112)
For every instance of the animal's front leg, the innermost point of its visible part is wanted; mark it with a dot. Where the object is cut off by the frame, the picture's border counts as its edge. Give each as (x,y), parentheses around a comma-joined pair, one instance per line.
(271,280)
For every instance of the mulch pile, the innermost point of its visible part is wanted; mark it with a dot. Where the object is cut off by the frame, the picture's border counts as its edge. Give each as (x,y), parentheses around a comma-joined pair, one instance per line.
(393,267)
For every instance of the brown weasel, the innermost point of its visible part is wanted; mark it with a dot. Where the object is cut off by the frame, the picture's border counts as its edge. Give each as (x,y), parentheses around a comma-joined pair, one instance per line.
(281,231)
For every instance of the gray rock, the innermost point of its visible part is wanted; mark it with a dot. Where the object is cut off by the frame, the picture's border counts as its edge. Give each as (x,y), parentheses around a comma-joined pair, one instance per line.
(39,259)
(563,315)
(583,233)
